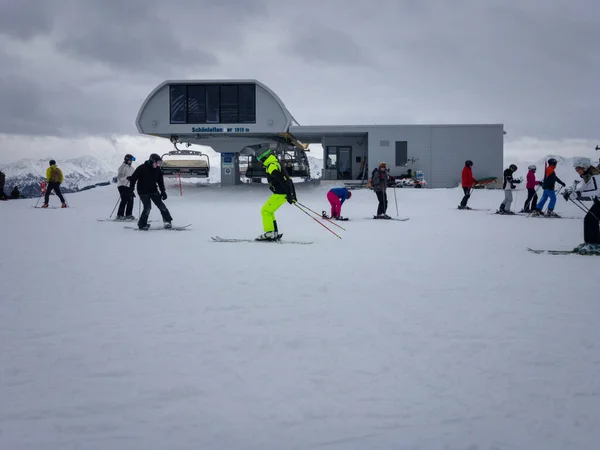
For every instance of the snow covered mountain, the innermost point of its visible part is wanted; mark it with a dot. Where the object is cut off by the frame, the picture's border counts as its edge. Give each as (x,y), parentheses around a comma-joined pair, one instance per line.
(81,172)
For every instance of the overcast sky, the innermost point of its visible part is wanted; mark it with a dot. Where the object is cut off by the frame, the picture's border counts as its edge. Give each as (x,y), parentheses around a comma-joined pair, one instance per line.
(78,70)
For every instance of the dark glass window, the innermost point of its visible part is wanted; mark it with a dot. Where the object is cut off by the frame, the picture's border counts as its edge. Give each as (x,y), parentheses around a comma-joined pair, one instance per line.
(196,96)
(229,103)
(401,153)
(247,103)
(178,104)
(212,103)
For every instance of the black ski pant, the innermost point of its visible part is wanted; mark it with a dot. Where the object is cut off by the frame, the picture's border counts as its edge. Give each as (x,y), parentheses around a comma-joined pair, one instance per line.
(383,202)
(591,225)
(126,201)
(53,186)
(532,199)
(467,191)
(146,200)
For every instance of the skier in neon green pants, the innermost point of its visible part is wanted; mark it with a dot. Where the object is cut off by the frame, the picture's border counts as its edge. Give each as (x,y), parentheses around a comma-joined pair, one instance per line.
(282,186)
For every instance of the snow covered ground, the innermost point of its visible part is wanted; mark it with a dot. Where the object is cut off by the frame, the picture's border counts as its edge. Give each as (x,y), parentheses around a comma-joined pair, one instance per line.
(441,332)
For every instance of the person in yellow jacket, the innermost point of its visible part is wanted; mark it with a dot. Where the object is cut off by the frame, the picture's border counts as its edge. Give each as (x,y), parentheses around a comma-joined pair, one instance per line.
(282,186)
(54,178)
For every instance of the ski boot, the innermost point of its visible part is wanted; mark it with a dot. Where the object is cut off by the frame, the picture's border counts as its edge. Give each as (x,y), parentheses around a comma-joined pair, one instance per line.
(268,236)
(129,218)
(144,227)
(120,217)
(64,205)
(551,213)
(45,205)
(168,225)
(587,249)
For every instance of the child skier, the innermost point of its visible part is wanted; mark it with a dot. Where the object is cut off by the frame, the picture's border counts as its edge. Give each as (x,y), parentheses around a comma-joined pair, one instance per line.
(588,190)
(336,198)
(467,183)
(548,185)
(283,190)
(531,185)
(508,186)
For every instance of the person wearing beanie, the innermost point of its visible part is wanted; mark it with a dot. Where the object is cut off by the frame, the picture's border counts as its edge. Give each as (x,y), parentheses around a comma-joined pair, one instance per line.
(508,186)
(379,180)
(336,198)
(531,185)
(54,178)
(148,176)
(125,210)
(587,190)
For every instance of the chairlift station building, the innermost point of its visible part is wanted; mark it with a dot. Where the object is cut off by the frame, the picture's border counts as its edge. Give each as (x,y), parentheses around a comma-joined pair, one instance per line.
(236,117)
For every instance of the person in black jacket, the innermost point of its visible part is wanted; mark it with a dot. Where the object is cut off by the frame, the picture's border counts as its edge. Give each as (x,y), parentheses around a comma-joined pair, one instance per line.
(147,176)
(550,180)
(508,185)
(282,186)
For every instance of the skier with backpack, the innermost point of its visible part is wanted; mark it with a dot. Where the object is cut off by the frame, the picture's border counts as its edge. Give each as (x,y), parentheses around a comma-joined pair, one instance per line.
(379,180)
(508,185)
(125,210)
(531,184)
(148,176)
(548,185)
(282,188)
(336,198)
(468,182)
(587,190)
(54,178)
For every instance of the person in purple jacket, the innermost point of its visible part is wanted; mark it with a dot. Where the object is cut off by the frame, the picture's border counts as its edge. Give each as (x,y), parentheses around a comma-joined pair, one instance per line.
(532,183)
(336,198)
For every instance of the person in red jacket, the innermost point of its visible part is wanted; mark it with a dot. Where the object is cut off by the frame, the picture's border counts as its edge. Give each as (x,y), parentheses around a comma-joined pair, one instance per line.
(467,183)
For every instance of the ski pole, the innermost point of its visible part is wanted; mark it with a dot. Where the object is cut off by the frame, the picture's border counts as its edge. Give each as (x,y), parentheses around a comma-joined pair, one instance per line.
(323,225)
(113,211)
(319,215)
(396,201)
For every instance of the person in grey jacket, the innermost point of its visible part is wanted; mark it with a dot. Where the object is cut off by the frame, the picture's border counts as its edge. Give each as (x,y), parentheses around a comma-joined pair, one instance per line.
(126,206)
(379,179)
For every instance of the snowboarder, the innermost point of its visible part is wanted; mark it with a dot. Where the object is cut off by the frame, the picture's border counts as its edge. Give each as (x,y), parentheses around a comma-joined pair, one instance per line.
(588,190)
(125,190)
(54,178)
(148,175)
(336,198)
(548,185)
(467,183)
(379,180)
(531,185)
(283,189)
(508,185)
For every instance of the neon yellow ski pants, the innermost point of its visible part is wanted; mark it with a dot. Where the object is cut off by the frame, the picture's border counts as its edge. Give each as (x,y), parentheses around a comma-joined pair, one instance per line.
(272,204)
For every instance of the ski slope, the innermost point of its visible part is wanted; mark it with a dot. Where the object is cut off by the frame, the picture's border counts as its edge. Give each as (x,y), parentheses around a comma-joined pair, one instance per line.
(441,332)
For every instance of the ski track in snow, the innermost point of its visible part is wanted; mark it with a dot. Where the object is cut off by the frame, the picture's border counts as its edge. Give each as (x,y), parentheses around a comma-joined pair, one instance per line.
(442,332)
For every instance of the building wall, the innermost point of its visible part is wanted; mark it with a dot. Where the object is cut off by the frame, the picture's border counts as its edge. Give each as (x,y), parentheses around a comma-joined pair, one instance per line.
(441,150)
(154,116)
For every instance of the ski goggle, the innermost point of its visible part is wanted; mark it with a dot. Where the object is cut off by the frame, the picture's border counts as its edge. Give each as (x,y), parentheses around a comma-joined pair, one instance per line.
(159,163)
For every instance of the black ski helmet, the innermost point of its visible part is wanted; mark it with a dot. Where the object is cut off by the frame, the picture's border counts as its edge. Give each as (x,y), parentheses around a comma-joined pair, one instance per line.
(129,157)
(513,167)
(52,162)
(468,163)
(155,158)
(552,162)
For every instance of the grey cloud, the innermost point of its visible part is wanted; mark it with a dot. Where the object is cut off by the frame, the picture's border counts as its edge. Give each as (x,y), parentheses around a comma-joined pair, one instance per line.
(25,19)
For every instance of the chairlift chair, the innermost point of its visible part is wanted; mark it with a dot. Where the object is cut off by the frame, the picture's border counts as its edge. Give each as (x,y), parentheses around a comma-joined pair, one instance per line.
(186,168)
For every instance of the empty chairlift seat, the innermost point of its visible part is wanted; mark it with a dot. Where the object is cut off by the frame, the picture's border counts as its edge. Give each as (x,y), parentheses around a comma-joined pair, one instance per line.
(186,163)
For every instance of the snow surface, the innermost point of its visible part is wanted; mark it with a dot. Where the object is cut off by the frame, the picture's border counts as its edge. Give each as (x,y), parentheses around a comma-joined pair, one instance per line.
(441,332)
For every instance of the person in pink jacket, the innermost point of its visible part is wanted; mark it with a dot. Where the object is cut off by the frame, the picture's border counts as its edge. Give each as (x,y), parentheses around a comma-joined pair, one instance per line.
(532,183)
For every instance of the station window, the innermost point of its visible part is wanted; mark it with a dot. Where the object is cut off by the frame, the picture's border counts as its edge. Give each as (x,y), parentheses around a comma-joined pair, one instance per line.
(213,103)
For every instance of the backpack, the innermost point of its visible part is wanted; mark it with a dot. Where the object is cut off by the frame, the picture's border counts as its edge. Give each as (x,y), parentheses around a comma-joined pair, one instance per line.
(55,175)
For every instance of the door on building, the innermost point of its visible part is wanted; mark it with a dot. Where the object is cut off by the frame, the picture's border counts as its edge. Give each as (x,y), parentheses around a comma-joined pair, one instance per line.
(339,162)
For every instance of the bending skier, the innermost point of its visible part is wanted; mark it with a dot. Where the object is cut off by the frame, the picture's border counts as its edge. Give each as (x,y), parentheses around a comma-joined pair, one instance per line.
(548,185)
(282,187)
(532,197)
(336,198)
(125,190)
(379,179)
(148,175)
(508,185)
(467,183)
(588,190)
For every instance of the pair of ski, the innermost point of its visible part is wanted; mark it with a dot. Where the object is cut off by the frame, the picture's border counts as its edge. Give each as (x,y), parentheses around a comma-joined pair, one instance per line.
(277,240)
(559,252)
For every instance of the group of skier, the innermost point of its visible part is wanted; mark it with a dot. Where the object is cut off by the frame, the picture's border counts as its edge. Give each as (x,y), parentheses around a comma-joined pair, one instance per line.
(587,189)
